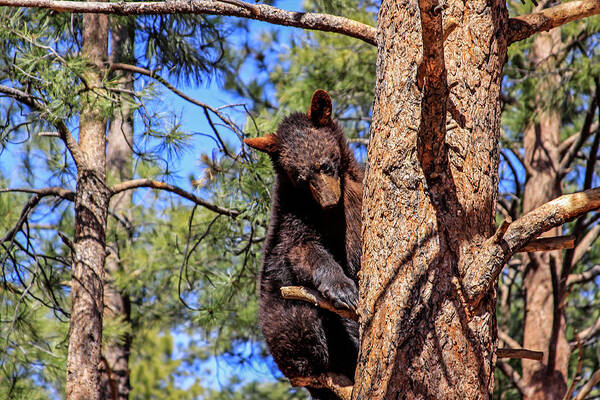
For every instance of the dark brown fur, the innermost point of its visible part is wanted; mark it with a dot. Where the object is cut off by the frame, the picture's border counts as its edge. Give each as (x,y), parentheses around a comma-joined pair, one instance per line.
(312,246)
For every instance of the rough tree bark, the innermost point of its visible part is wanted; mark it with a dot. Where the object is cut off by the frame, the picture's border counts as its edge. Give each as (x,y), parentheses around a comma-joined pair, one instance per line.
(429,201)
(115,373)
(542,290)
(91,205)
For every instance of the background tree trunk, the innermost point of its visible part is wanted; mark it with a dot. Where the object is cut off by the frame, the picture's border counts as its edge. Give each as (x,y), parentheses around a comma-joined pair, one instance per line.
(115,374)
(429,201)
(542,290)
(91,205)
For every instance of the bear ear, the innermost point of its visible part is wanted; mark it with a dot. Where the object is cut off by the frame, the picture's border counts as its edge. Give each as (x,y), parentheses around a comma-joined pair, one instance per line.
(320,108)
(268,144)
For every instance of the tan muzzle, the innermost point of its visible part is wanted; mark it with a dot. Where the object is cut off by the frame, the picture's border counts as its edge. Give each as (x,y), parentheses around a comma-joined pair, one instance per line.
(325,190)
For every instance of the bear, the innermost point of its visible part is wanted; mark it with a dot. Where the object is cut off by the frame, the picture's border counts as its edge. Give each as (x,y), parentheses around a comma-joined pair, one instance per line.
(313,240)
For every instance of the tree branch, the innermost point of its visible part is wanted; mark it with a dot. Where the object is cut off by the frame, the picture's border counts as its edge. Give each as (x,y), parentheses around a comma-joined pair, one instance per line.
(154,75)
(584,245)
(513,376)
(577,371)
(149,183)
(520,353)
(509,341)
(584,134)
(522,27)
(587,388)
(63,131)
(590,331)
(237,8)
(583,277)
(39,194)
(548,244)
(492,257)
(339,384)
(49,191)
(314,297)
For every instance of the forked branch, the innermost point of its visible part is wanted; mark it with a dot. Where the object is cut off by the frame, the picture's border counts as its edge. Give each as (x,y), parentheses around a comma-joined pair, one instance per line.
(237,8)
(63,131)
(522,27)
(494,254)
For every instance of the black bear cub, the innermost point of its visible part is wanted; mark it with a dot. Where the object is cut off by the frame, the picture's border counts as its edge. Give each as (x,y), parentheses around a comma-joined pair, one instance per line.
(313,240)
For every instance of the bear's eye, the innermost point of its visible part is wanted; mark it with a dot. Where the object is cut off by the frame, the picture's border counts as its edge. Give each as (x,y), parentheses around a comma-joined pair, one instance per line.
(326,168)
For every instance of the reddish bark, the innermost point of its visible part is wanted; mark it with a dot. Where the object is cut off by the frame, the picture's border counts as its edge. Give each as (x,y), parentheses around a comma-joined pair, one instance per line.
(542,289)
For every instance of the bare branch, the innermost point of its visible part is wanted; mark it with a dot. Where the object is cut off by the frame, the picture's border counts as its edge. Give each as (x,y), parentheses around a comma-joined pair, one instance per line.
(584,245)
(509,341)
(312,296)
(522,27)
(590,331)
(577,371)
(584,277)
(520,353)
(492,257)
(39,194)
(497,238)
(63,131)
(339,384)
(363,141)
(567,143)
(49,191)
(513,376)
(154,75)
(548,244)
(584,134)
(593,152)
(237,8)
(587,388)
(149,183)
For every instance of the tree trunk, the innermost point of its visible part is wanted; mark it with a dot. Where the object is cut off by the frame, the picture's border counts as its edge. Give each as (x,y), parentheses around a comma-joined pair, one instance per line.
(429,203)
(547,379)
(91,205)
(115,373)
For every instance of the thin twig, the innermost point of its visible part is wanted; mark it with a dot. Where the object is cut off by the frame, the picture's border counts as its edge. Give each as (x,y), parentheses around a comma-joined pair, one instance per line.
(150,183)
(577,371)
(154,75)
(587,388)
(63,131)
(513,376)
(312,296)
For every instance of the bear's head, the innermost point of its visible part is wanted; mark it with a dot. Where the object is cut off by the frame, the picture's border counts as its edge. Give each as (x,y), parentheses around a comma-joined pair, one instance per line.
(309,149)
